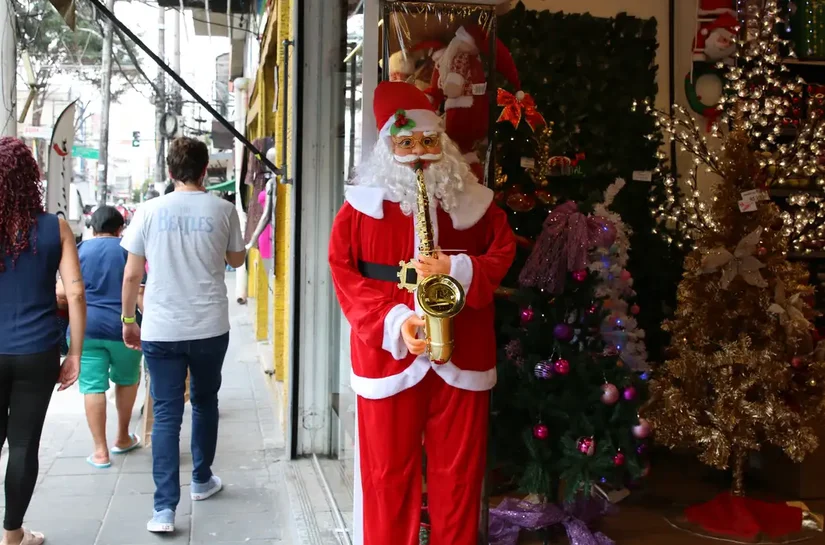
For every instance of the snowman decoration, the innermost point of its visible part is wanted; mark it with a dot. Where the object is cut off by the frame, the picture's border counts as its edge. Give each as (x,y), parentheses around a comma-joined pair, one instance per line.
(716,41)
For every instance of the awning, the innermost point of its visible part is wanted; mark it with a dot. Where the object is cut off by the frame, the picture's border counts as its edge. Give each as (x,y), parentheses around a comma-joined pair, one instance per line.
(228,185)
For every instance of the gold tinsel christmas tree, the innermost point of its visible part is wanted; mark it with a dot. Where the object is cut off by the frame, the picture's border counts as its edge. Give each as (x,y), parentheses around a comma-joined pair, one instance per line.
(743,369)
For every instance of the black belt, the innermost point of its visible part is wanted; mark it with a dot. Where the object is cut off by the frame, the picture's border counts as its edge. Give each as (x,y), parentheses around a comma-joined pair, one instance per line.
(388,273)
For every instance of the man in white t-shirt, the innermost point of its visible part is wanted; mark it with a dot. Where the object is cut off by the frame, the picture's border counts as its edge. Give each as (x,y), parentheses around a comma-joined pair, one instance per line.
(187,236)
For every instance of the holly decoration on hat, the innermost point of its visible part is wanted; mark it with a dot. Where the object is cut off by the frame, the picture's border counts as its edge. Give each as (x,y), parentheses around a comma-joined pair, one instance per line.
(401,123)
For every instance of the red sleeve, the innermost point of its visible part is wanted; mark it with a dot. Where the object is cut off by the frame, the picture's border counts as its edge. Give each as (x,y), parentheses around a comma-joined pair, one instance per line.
(490,268)
(365,307)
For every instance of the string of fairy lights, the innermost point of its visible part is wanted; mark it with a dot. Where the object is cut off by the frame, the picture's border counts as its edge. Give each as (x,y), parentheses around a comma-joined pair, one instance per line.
(786,130)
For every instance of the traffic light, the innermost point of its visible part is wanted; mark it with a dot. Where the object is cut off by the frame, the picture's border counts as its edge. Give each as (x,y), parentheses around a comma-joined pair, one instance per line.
(136,139)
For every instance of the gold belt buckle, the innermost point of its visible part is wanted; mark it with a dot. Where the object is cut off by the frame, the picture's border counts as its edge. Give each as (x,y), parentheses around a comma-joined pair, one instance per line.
(402,276)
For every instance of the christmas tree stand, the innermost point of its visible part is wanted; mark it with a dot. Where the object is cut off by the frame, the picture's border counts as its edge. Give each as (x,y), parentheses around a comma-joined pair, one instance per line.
(733,517)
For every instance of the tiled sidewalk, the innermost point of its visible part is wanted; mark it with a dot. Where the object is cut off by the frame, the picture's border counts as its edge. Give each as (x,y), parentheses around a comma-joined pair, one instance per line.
(76,504)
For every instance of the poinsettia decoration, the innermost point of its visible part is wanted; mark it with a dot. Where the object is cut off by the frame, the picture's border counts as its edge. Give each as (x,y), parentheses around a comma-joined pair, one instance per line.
(401,123)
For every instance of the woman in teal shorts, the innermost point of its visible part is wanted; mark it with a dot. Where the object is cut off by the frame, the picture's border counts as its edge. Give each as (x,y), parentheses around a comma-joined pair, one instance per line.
(104,356)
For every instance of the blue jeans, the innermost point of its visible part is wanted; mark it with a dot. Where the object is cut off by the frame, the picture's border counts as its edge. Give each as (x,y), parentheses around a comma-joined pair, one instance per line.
(167,363)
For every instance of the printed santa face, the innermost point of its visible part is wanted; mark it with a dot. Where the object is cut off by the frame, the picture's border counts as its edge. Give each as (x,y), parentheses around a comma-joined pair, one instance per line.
(720,44)
(417,146)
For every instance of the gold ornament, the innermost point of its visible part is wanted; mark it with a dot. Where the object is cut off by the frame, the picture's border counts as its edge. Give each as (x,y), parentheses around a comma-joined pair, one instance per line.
(541,168)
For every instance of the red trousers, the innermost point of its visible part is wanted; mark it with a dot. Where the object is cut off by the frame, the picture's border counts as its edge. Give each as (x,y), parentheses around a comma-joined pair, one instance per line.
(453,424)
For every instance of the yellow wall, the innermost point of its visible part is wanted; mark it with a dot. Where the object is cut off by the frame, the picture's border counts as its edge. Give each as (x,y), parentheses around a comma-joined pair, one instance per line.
(283,228)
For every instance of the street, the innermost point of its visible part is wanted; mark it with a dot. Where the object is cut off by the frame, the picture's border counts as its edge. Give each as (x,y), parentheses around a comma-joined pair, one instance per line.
(76,504)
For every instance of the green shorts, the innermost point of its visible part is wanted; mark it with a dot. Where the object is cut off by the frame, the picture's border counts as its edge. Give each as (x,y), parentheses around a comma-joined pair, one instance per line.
(104,360)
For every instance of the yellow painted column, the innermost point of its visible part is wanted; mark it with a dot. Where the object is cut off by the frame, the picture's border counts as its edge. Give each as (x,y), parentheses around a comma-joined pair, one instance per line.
(260,319)
(282,227)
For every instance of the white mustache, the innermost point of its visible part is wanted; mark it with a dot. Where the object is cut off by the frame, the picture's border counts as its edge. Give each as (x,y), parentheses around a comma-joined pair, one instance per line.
(407,159)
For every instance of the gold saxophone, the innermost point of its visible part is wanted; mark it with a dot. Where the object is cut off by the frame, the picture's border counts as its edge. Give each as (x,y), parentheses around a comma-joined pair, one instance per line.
(440,296)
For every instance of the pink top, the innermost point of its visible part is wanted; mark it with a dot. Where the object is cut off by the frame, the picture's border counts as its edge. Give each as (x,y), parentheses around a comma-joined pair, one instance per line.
(265,240)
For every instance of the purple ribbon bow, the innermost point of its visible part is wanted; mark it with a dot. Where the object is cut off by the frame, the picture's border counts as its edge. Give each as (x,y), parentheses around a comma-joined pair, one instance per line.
(563,246)
(512,516)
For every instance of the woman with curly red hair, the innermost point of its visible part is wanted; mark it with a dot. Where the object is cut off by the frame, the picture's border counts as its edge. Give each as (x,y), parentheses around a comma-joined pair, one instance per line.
(34,246)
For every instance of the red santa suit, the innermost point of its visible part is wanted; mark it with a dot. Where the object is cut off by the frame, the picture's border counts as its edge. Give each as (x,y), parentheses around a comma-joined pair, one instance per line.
(403,398)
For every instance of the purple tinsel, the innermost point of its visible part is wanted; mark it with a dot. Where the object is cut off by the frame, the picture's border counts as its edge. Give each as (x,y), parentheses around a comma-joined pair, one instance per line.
(514,352)
(512,516)
(563,246)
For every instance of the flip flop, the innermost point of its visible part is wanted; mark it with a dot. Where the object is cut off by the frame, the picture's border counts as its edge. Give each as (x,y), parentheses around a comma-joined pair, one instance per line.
(135,444)
(91,461)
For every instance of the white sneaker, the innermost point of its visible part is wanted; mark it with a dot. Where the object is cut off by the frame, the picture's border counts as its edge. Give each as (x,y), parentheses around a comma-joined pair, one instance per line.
(204,491)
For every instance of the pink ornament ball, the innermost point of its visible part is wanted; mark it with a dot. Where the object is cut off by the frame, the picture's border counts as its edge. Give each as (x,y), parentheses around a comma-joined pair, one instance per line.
(629,393)
(527,315)
(580,275)
(642,429)
(586,445)
(562,366)
(610,394)
(619,459)
(635,310)
(625,275)
(540,431)
(563,332)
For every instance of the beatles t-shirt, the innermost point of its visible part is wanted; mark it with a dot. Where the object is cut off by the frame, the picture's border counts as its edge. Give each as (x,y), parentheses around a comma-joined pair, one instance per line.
(185,236)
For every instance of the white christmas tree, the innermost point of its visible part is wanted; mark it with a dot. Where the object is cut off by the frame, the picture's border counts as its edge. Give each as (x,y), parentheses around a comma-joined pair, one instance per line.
(620,329)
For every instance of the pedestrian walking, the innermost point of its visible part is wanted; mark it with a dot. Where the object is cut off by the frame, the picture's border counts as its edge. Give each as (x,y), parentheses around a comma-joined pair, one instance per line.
(187,236)
(34,247)
(105,356)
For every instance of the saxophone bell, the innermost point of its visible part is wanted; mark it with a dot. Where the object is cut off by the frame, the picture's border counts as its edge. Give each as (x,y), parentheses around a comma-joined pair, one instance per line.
(441,298)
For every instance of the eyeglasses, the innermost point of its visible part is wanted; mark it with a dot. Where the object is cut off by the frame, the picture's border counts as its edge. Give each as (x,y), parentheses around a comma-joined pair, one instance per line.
(409,142)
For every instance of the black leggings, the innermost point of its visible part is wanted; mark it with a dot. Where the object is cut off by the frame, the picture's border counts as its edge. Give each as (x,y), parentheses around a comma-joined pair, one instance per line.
(26,386)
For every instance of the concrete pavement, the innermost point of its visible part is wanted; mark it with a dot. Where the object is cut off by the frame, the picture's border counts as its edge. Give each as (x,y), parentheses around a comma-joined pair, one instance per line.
(76,504)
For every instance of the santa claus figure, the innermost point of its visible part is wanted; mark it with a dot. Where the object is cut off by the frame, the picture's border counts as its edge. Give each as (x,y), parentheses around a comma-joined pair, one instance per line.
(415,65)
(716,41)
(459,80)
(404,398)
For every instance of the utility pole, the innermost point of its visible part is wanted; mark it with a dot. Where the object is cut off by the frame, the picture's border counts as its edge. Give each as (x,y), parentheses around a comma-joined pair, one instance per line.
(8,75)
(177,104)
(160,102)
(106,89)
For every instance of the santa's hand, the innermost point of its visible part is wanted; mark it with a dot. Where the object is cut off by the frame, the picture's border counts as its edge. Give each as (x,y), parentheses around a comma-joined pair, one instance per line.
(437,264)
(409,332)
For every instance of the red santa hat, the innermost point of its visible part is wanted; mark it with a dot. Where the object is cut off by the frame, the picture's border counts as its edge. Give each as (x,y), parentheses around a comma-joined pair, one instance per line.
(726,21)
(401,108)
(505,65)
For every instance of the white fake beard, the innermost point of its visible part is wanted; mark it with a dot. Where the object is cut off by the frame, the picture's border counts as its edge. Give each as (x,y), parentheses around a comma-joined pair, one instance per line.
(445,177)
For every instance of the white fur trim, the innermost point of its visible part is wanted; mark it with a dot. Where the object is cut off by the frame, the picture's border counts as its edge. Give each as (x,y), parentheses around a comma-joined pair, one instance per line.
(473,202)
(367,200)
(463,36)
(425,120)
(438,54)
(471,157)
(393,342)
(465,101)
(382,388)
(474,381)
(454,78)
(461,268)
